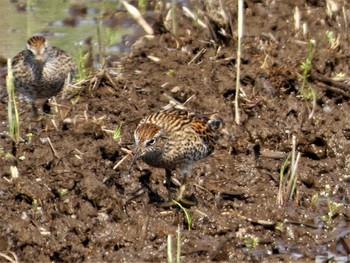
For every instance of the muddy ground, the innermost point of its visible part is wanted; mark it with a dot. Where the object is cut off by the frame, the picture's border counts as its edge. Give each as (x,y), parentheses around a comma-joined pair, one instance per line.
(69,204)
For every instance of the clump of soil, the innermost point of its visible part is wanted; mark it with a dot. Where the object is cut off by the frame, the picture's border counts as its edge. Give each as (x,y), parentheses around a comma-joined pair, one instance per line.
(70,203)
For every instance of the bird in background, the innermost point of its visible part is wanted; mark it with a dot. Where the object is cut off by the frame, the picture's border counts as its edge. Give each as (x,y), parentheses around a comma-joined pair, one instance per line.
(175,138)
(40,71)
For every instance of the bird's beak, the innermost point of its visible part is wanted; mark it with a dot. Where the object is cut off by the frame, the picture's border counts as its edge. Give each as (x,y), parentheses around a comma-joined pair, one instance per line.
(134,158)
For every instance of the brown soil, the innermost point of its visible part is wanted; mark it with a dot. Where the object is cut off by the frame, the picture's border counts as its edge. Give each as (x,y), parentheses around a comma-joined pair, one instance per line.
(69,204)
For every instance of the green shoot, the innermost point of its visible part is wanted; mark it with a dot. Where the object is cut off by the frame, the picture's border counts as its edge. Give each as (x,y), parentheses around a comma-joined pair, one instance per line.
(333,42)
(117,133)
(101,47)
(340,75)
(170,73)
(332,206)
(113,36)
(187,215)
(81,59)
(251,242)
(238,73)
(34,202)
(12,107)
(306,68)
(330,38)
(306,91)
(29,136)
(62,192)
(142,5)
(314,200)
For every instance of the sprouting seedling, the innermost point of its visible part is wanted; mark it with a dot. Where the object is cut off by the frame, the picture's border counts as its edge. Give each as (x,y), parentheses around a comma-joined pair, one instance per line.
(117,133)
(29,136)
(340,75)
(12,111)
(330,38)
(62,192)
(187,215)
(332,206)
(251,242)
(83,72)
(170,72)
(306,91)
(306,66)
(113,35)
(142,5)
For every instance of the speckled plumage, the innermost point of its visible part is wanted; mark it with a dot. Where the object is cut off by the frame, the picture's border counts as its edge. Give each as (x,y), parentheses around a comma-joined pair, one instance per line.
(174,138)
(40,71)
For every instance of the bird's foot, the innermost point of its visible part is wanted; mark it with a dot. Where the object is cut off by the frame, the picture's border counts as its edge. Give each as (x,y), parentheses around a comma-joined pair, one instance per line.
(181,200)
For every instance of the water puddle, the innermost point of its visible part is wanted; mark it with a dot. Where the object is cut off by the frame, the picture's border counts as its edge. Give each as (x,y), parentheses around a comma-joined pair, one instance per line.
(64,24)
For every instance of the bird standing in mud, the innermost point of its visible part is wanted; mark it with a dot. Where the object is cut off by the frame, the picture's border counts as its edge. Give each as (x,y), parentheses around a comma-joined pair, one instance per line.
(40,71)
(173,139)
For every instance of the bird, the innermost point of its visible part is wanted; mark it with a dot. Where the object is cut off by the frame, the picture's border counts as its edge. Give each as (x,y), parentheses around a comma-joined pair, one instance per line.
(40,71)
(175,139)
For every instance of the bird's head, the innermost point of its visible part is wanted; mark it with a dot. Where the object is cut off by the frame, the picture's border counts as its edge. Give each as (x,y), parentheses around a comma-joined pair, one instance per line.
(147,139)
(37,46)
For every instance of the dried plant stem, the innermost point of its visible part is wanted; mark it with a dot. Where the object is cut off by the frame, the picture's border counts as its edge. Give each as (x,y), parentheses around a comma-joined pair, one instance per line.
(138,17)
(178,249)
(287,186)
(293,175)
(170,249)
(238,65)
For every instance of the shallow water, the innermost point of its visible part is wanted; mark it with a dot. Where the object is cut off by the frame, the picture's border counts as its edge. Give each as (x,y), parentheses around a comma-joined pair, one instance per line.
(23,19)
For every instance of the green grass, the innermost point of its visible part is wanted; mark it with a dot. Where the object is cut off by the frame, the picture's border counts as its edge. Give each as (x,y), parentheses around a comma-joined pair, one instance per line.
(12,112)
(81,59)
(117,133)
(306,90)
(187,215)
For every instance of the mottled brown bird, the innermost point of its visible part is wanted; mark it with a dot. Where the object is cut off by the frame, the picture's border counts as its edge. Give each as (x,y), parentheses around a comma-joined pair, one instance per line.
(40,71)
(172,139)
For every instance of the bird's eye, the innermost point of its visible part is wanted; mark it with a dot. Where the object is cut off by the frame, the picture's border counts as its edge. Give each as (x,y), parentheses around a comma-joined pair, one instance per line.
(151,142)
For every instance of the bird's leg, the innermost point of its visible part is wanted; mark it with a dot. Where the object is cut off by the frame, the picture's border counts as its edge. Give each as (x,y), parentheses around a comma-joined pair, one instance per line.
(34,110)
(182,188)
(168,182)
(168,185)
(184,172)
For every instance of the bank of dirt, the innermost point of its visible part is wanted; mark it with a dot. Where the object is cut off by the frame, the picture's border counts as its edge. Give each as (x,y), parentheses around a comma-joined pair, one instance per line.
(69,204)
